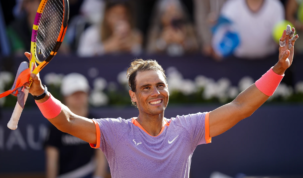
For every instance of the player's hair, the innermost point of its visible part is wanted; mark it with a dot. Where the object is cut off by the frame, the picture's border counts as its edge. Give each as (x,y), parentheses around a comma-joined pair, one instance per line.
(140,65)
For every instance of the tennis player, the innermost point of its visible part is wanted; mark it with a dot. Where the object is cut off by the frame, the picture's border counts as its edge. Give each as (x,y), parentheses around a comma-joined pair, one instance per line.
(151,145)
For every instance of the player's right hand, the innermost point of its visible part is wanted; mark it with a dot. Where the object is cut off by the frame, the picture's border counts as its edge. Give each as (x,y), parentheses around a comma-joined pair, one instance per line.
(36,87)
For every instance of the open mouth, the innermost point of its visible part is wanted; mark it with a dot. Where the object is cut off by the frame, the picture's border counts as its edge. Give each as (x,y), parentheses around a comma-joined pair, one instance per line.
(156,102)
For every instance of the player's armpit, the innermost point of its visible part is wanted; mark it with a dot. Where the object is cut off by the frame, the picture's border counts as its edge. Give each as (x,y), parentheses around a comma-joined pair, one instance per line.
(75,125)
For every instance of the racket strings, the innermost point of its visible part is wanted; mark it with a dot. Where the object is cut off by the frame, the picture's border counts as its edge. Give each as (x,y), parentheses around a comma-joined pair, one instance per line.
(49,28)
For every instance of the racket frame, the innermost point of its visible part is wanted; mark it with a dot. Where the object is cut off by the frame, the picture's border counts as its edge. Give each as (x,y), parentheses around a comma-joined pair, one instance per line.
(34,57)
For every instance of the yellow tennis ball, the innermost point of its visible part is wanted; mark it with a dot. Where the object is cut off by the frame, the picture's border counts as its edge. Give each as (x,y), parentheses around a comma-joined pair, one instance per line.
(279,28)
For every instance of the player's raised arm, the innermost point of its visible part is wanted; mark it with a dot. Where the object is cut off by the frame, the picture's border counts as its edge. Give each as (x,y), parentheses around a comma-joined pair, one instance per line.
(247,102)
(61,116)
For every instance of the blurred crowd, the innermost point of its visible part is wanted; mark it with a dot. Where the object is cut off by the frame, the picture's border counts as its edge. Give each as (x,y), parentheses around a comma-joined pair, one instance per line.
(215,28)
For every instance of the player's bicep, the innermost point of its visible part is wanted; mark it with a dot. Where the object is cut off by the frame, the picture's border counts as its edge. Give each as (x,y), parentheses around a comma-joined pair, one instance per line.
(223,118)
(75,125)
(84,129)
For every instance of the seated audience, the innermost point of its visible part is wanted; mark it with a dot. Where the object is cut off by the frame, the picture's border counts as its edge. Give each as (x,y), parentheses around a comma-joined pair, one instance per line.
(206,14)
(116,34)
(171,32)
(19,31)
(254,20)
(91,13)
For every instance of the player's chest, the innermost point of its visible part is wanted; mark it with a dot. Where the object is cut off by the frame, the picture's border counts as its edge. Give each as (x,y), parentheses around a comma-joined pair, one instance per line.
(164,146)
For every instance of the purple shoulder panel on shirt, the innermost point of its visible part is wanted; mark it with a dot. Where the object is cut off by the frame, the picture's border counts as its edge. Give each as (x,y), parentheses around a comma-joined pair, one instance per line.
(195,125)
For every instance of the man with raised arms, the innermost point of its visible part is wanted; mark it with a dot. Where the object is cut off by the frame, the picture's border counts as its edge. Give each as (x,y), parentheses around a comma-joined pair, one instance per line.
(151,145)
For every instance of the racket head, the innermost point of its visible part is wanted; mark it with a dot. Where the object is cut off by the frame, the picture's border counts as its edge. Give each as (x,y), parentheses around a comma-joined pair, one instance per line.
(48,31)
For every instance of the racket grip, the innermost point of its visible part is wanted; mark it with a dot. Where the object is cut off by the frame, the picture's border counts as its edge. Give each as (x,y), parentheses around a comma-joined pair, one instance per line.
(13,122)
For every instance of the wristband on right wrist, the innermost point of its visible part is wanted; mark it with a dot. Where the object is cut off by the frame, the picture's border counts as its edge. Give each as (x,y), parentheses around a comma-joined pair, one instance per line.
(269,82)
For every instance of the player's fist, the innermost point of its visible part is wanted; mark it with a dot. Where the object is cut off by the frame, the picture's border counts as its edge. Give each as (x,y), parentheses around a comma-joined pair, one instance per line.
(36,87)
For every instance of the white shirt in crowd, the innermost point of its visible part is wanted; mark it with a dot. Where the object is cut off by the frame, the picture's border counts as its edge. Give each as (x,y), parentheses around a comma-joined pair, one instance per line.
(255,28)
(90,43)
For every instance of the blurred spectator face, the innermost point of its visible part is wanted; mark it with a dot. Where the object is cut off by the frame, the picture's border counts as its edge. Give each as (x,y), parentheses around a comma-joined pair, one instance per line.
(30,6)
(172,16)
(75,90)
(77,99)
(117,17)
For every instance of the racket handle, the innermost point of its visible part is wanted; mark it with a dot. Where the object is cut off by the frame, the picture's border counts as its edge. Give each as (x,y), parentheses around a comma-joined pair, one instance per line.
(13,122)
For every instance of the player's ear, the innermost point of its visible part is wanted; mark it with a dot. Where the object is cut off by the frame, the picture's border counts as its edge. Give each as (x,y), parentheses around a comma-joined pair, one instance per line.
(132,96)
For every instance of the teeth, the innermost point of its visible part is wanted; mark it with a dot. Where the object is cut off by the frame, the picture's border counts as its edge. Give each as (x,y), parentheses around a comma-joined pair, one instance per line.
(156,102)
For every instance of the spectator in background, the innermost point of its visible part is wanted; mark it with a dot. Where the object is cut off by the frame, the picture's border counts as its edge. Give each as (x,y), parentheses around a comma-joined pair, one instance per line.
(116,34)
(66,155)
(206,14)
(294,14)
(254,20)
(91,14)
(19,31)
(171,32)
(74,6)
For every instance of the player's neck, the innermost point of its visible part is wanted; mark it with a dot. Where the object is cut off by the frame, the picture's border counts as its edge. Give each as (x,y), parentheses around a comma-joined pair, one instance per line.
(152,123)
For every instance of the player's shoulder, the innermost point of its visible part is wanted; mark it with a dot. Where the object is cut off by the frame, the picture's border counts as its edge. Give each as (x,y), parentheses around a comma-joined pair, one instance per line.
(115,121)
(117,126)
(179,119)
(190,115)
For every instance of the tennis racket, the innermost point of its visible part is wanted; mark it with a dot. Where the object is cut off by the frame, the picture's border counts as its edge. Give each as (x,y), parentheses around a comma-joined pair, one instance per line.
(48,32)
(13,122)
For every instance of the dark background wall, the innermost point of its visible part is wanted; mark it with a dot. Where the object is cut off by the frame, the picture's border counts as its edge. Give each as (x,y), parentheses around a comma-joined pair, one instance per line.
(108,66)
(267,143)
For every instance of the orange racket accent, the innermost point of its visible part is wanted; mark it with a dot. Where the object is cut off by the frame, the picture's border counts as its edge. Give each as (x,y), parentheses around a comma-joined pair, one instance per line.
(61,34)
(22,79)
(41,6)
(39,67)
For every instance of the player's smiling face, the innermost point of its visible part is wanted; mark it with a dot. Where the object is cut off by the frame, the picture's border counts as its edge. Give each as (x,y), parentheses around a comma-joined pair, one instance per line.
(151,93)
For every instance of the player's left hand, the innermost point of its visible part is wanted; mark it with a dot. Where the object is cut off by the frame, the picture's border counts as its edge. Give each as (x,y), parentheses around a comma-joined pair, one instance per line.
(286,50)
